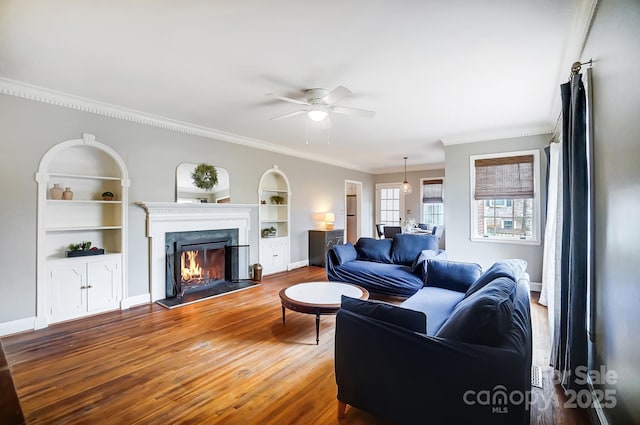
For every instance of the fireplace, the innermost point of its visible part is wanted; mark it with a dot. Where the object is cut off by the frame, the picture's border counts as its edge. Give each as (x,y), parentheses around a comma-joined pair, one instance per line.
(167,217)
(204,263)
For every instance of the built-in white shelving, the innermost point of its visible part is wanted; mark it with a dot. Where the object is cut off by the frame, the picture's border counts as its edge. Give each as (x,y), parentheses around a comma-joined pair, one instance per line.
(72,287)
(274,250)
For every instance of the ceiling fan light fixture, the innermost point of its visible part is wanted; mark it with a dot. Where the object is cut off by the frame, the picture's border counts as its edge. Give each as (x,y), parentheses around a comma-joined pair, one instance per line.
(406,187)
(317,114)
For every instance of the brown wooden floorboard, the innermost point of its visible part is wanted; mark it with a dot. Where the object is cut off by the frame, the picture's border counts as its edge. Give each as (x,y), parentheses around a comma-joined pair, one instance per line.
(226,360)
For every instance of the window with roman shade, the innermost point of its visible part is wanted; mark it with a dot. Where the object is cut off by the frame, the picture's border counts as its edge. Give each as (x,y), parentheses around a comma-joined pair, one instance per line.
(432,202)
(505,205)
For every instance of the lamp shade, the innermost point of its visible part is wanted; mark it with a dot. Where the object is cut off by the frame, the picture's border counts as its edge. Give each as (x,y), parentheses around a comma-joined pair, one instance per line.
(329,219)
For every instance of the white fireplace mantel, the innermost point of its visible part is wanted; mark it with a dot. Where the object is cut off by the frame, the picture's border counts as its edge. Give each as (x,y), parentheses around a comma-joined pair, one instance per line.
(166,217)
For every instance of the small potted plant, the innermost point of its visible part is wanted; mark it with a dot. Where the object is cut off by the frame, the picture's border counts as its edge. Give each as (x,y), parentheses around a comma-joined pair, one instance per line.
(277,199)
(83,249)
(269,232)
(107,196)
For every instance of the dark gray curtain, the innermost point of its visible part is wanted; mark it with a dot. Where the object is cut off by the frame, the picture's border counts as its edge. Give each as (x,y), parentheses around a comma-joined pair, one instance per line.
(570,341)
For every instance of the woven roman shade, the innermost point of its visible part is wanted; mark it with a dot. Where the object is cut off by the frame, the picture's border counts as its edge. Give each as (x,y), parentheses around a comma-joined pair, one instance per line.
(432,191)
(504,178)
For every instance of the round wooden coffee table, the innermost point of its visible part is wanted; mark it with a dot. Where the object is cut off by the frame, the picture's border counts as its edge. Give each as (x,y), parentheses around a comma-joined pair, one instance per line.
(318,298)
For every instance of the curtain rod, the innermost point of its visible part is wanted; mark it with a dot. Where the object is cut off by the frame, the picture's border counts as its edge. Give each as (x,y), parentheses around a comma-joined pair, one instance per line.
(575,68)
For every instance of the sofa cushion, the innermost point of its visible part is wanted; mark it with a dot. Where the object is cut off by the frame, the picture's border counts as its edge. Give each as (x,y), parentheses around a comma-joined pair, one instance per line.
(370,249)
(484,316)
(453,275)
(436,303)
(381,278)
(345,253)
(424,255)
(406,247)
(412,320)
(513,269)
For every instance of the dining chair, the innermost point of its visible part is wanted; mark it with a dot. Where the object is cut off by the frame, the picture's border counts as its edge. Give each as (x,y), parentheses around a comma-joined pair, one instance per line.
(380,230)
(390,231)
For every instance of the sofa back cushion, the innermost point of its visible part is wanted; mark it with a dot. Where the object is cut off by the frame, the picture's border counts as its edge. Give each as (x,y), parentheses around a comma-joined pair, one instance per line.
(370,249)
(412,320)
(484,316)
(406,248)
(453,275)
(345,253)
(504,268)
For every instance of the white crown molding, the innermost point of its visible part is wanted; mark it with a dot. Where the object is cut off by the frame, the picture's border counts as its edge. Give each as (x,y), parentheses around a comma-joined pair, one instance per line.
(41,94)
(496,135)
(580,29)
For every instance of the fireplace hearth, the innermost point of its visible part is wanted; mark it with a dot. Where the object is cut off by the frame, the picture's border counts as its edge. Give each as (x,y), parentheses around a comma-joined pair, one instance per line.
(202,264)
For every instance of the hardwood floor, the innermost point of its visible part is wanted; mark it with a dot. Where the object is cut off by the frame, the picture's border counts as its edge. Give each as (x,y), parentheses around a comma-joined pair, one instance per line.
(226,360)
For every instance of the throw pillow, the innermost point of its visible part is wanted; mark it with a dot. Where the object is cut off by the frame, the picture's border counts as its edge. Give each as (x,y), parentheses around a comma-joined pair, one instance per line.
(453,275)
(424,255)
(406,247)
(498,269)
(415,321)
(345,253)
(370,249)
(517,266)
(484,317)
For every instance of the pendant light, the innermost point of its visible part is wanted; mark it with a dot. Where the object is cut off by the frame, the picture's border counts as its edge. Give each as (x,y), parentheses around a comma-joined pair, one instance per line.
(406,187)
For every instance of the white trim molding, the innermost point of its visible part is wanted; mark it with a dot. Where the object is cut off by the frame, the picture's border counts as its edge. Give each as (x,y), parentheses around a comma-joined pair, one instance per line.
(41,94)
(16,326)
(135,300)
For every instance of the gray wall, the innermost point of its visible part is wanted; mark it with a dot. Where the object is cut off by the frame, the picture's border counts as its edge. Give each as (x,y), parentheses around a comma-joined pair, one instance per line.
(413,201)
(30,128)
(614,45)
(457,207)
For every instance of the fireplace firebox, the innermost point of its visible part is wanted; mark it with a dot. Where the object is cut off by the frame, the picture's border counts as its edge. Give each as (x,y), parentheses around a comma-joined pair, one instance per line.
(201,264)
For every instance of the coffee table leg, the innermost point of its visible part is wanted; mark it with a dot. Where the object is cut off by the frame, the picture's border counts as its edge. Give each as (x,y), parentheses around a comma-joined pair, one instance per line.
(282,315)
(317,329)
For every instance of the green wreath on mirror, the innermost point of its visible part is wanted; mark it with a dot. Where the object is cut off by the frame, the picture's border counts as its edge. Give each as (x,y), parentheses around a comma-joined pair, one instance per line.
(205,176)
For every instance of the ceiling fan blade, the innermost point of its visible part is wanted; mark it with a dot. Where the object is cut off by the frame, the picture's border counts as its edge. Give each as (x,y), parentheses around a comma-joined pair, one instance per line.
(352,111)
(336,94)
(288,99)
(290,114)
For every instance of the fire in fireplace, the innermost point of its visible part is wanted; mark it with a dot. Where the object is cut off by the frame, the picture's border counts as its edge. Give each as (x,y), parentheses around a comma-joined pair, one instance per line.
(200,265)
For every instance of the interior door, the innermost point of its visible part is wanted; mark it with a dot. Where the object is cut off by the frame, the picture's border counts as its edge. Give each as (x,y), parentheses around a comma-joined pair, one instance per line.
(389,204)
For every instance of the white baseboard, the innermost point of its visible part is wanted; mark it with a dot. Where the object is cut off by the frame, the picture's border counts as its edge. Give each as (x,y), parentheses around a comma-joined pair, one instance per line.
(16,326)
(135,300)
(535,286)
(297,265)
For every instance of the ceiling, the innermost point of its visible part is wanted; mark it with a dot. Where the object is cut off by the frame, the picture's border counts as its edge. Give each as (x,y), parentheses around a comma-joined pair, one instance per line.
(435,72)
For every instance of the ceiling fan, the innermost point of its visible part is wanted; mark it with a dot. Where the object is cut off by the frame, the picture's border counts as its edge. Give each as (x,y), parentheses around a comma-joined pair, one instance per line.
(320,102)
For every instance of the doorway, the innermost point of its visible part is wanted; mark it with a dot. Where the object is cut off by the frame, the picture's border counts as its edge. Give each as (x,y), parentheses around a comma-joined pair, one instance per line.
(352,210)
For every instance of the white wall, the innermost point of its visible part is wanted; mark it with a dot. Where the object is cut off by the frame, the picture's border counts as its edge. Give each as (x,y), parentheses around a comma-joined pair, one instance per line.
(28,129)
(457,205)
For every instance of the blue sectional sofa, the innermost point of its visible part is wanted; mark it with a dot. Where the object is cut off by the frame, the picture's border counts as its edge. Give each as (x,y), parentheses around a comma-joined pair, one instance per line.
(384,266)
(456,352)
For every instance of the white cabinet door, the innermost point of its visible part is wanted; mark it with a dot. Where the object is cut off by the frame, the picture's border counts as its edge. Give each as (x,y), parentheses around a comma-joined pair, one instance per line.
(78,287)
(66,291)
(274,254)
(103,282)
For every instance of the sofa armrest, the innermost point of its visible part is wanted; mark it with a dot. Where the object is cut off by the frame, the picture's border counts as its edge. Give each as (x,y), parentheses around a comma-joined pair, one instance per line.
(409,377)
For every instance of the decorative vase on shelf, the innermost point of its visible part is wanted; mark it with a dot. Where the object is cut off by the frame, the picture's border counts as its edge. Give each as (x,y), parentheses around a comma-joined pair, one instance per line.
(55,192)
(67,194)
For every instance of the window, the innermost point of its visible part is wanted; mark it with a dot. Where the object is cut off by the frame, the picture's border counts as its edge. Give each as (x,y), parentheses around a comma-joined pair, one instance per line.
(505,197)
(433,202)
(389,203)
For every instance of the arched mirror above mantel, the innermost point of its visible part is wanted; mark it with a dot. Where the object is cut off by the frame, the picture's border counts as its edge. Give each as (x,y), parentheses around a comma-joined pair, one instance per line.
(187,190)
